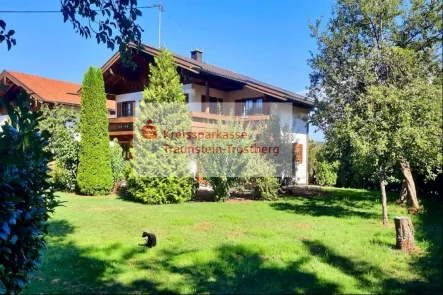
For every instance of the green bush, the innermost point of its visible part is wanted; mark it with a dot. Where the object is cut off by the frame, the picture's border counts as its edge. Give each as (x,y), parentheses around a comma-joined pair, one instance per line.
(266,188)
(26,198)
(94,170)
(61,123)
(117,163)
(63,179)
(326,174)
(157,190)
(166,180)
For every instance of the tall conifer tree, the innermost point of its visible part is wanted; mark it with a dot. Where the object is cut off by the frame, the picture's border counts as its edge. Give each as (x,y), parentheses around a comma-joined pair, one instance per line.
(94,175)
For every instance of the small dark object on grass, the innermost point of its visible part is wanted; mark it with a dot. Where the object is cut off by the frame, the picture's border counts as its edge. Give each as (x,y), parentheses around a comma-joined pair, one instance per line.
(151,239)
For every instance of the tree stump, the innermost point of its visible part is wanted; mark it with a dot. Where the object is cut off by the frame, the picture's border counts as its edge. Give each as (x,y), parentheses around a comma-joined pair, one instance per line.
(405,233)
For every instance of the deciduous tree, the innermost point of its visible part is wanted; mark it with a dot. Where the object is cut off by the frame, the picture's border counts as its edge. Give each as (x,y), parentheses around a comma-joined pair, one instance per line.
(379,45)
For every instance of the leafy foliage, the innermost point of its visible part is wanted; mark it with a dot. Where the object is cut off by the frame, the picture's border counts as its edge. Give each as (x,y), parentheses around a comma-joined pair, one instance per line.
(369,53)
(326,174)
(103,18)
(62,123)
(6,36)
(117,162)
(159,190)
(94,170)
(159,177)
(26,198)
(223,170)
(398,124)
(266,188)
(312,165)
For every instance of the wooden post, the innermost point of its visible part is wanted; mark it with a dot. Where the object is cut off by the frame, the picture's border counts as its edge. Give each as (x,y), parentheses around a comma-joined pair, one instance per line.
(207,98)
(405,233)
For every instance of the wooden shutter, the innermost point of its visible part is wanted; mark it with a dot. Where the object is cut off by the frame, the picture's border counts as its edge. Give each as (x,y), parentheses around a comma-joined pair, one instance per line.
(119,109)
(132,108)
(238,107)
(299,153)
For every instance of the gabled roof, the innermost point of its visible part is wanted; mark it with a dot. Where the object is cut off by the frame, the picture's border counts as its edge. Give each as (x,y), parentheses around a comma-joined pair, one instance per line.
(248,81)
(198,66)
(47,89)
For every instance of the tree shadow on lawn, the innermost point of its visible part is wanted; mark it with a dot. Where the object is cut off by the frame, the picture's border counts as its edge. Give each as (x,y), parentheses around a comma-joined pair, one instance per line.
(314,208)
(428,228)
(67,268)
(335,202)
(382,282)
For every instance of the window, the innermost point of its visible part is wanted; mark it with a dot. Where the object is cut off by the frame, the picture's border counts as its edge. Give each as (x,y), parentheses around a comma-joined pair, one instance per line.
(126,109)
(186,97)
(252,106)
(213,105)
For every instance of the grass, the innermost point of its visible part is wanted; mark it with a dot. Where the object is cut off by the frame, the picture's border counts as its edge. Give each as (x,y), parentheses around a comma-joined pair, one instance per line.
(332,244)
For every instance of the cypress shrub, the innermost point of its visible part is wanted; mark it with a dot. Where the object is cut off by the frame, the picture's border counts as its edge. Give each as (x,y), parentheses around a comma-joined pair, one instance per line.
(94,176)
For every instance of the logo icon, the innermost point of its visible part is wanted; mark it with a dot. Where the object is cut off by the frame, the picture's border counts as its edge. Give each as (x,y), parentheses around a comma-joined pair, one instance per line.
(149,131)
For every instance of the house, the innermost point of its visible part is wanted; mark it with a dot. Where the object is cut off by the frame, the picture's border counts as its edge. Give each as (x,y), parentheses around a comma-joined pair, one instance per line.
(42,91)
(203,83)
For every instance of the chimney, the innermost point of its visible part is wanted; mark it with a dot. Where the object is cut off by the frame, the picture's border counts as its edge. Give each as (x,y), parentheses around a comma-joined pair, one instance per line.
(196,54)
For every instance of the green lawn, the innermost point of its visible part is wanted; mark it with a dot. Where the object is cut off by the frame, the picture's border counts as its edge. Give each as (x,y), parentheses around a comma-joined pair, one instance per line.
(332,244)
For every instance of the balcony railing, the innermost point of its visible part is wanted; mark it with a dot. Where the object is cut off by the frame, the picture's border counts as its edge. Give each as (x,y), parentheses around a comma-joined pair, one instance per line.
(200,121)
(121,126)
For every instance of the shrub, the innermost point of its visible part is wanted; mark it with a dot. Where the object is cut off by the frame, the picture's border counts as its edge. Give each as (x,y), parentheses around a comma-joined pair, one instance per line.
(27,197)
(326,174)
(61,123)
(62,178)
(117,163)
(266,188)
(94,170)
(157,178)
(160,190)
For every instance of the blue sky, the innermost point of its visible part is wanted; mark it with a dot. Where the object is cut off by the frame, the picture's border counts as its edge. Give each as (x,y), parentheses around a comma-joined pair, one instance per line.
(267,40)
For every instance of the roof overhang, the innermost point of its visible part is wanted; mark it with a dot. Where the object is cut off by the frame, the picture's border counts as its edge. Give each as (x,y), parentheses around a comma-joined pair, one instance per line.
(196,69)
(17,82)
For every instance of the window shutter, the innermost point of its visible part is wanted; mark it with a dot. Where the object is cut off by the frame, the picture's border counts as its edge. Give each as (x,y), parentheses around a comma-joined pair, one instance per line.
(119,109)
(238,106)
(299,153)
(132,108)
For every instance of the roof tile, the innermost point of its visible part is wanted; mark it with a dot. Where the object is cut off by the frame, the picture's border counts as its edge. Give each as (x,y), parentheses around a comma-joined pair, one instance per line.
(52,90)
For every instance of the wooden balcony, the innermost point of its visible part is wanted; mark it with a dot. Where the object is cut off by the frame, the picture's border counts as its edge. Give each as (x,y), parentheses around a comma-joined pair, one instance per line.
(209,116)
(202,120)
(124,126)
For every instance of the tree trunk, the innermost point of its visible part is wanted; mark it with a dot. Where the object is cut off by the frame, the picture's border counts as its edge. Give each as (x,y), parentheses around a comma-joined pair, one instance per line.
(410,187)
(384,202)
(403,193)
(405,233)
(115,187)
